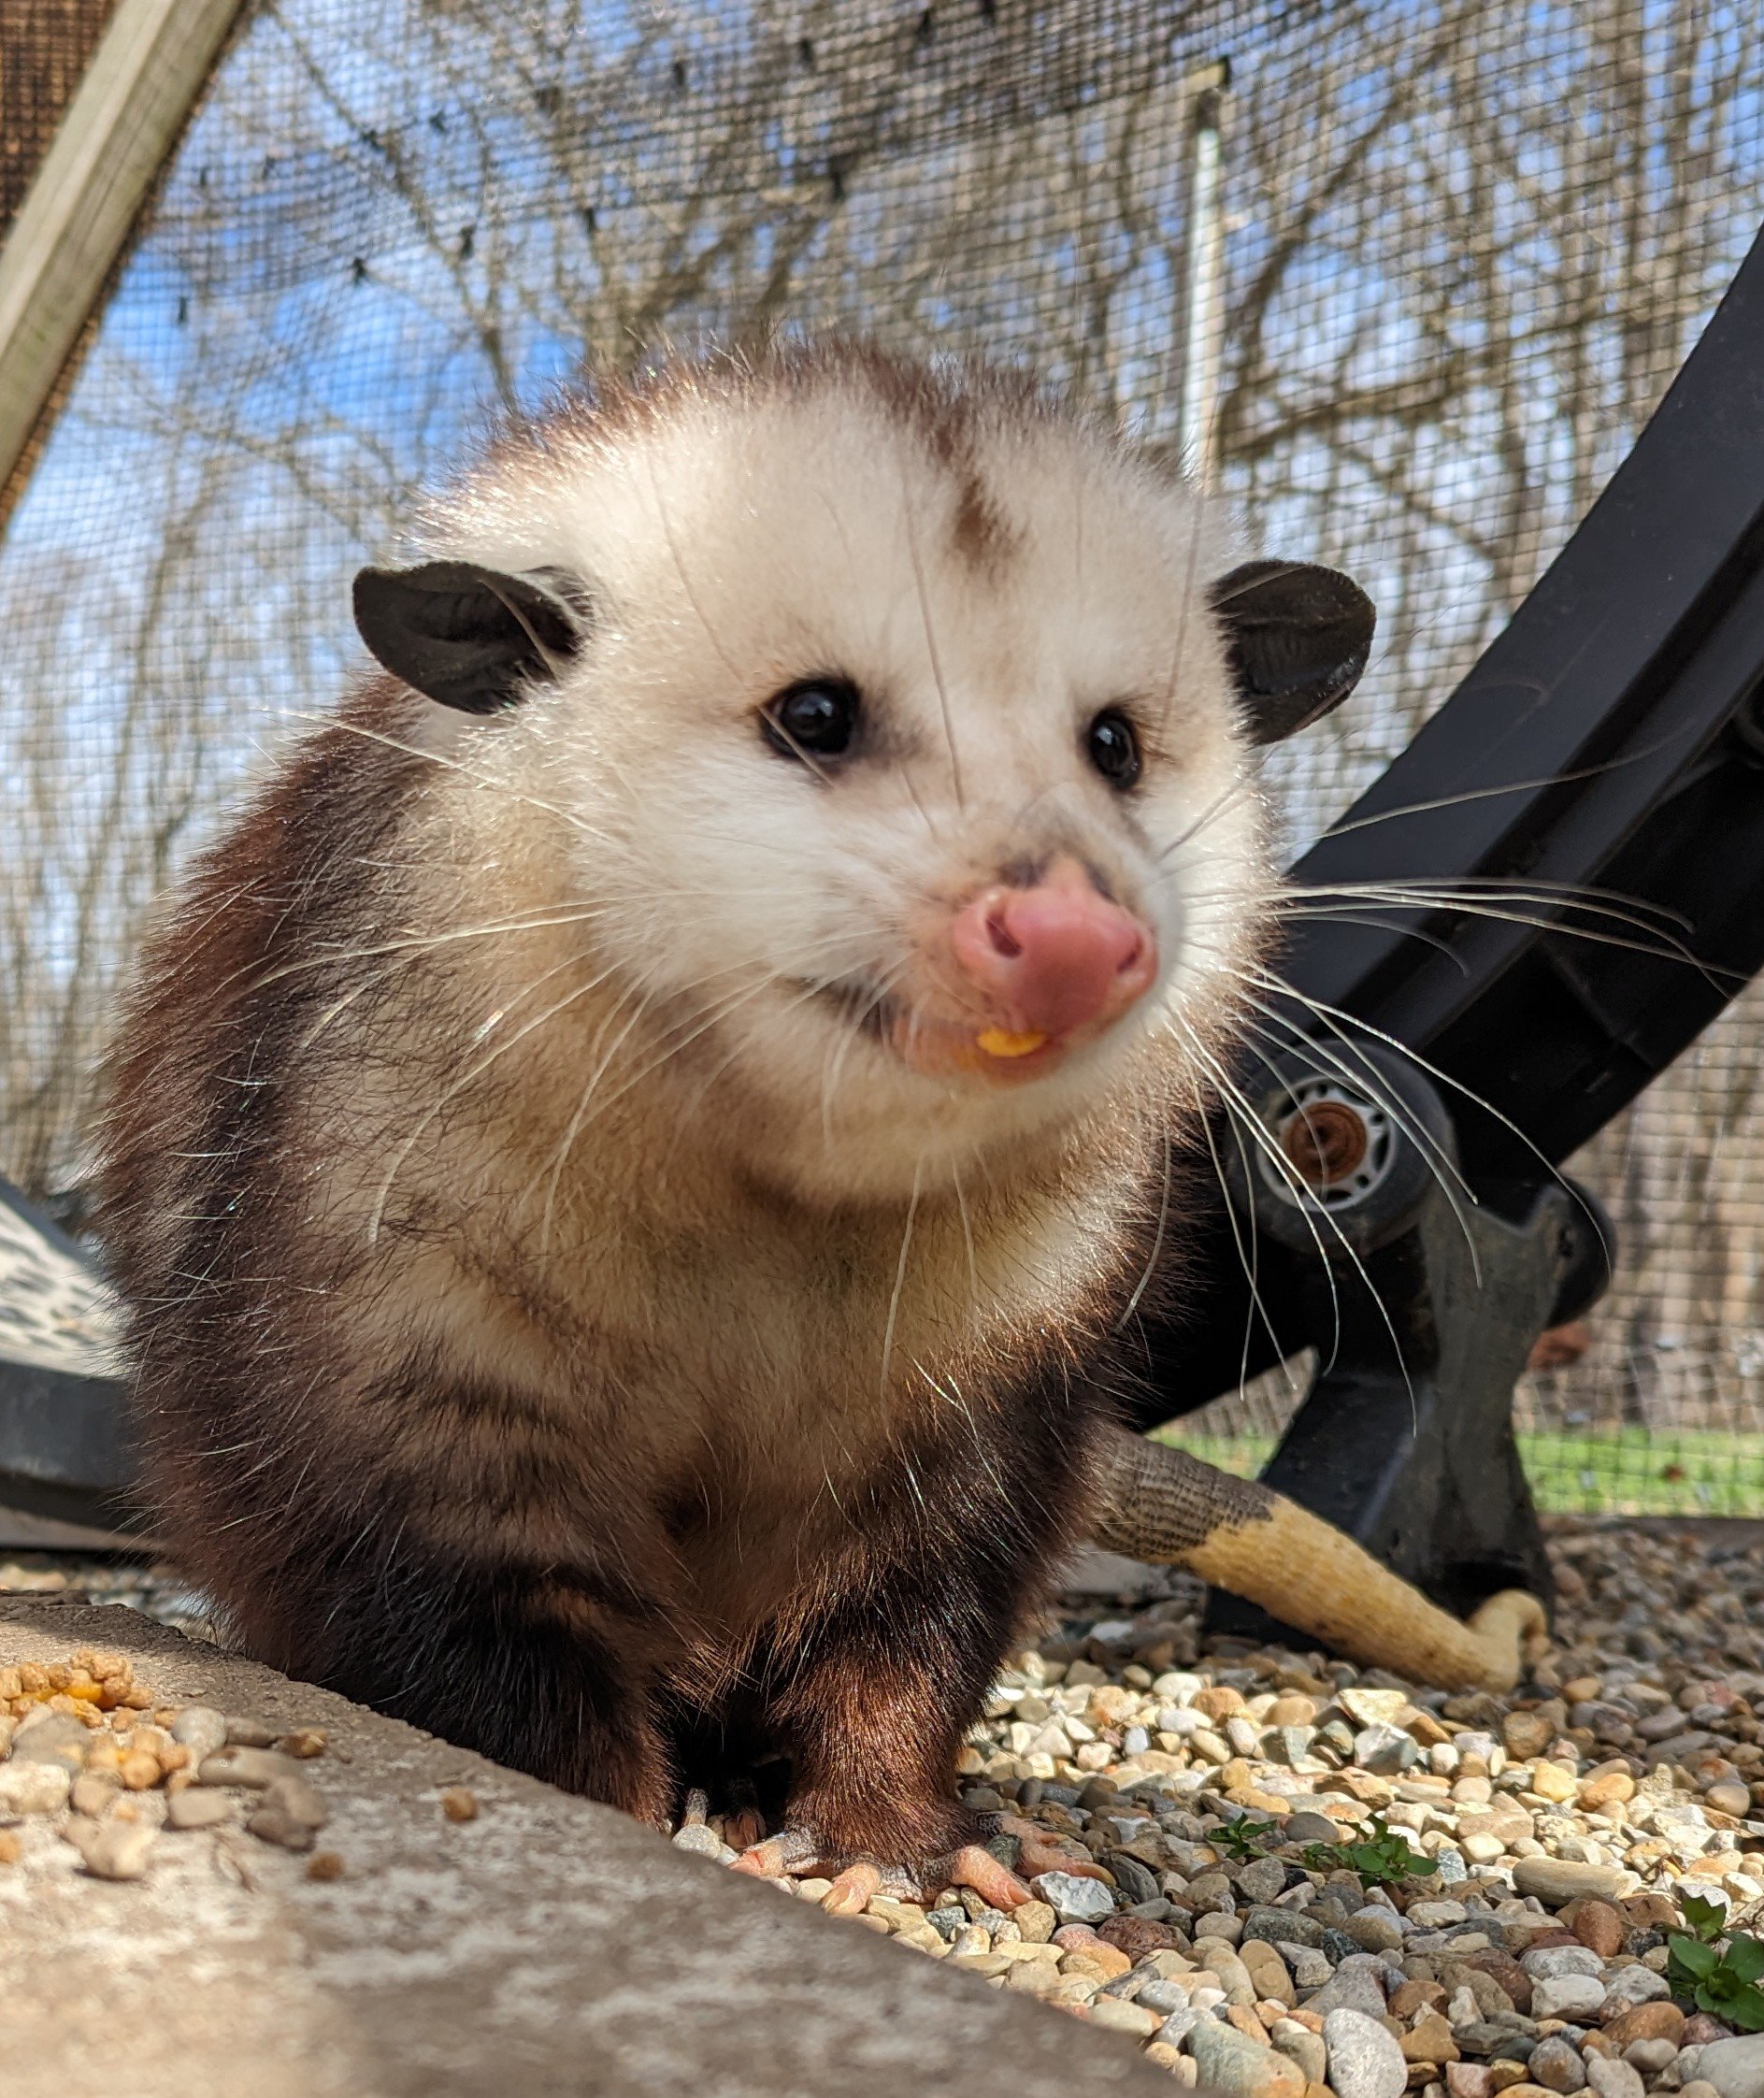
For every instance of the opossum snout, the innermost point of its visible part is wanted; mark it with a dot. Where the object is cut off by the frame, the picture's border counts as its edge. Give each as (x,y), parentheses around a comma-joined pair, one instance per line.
(1054,958)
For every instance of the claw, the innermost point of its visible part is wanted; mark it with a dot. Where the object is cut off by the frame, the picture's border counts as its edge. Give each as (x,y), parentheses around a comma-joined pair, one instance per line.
(788,1851)
(743,1828)
(850,1891)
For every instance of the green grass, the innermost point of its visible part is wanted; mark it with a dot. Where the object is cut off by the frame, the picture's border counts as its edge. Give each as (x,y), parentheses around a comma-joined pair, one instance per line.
(1622,1471)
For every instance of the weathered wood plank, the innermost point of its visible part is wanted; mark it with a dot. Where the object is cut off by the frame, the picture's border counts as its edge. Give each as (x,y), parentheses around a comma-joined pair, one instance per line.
(83,202)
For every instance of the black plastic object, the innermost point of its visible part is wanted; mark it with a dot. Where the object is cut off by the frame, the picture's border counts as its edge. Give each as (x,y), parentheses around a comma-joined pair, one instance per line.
(1425,1305)
(1608,747)
(65,1450)
(1609,740)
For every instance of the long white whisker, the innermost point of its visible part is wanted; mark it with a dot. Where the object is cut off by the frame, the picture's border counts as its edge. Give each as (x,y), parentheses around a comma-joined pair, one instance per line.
(453,1091)
(1438,1160)
(1271,980)
(1140,1288)
(900,1280)
(930,645)
(1244,1120)
(1253,1263)
(446,764)
(1344,828)
(1290,1173)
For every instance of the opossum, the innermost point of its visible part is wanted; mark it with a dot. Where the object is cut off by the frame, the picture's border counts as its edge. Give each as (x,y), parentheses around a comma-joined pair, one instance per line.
(625,1158)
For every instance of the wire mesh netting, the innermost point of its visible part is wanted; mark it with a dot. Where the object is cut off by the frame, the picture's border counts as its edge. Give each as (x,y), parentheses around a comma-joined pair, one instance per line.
(1465,246)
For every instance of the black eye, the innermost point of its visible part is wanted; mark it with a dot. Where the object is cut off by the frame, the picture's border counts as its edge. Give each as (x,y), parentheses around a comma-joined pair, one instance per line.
(1114,749)
(817,718)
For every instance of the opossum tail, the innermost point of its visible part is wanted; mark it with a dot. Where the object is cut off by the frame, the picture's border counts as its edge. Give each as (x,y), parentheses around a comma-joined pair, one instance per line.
(1158,1503)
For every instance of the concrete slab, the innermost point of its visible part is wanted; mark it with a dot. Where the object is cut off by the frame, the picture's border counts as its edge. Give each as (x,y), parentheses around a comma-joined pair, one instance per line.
(550,1946)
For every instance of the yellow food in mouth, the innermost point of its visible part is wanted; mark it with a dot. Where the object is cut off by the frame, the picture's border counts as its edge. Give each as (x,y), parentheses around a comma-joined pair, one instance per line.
(1001,1041)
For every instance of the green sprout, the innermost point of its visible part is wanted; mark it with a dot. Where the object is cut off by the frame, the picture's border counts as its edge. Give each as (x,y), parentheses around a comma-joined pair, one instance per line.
(1244,1839)
(1723,1981)
(1708,1920)
(1383,1858)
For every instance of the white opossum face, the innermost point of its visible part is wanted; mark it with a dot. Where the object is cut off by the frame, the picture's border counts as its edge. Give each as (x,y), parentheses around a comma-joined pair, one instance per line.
(902,734)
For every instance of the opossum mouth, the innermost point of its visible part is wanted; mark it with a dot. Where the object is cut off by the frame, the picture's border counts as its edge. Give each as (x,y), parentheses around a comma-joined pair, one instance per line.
(937,1046)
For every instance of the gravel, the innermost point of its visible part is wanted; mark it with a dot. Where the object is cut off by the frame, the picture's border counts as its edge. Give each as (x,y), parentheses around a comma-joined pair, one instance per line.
(88,1756)
(158,1592)
(1564,1826)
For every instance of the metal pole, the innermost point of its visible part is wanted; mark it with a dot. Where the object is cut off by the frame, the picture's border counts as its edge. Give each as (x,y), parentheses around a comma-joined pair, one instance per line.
(1203,327)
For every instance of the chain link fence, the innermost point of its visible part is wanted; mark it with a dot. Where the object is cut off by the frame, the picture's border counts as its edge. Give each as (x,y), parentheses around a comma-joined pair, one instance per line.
(1463,245)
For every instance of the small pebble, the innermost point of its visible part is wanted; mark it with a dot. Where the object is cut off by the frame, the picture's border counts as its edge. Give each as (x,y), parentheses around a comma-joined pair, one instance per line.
(253,1768)
(91,1794)
(1356,1985)
(1612,2077)
(1735,2067)
(1598,1926)
(1430,2039)
(304,1803)
(276,1824)
(459,1802)
(112,1849)
(1227,2061)
(1365,2061)
(34,1787)
(1548,1962)
(1629,1986)
(1557,1880)
(1116,2016)
(201,1729)
(1567,1996)
(1073,1899)
(1300,2045)
(199,1808)
(1701,2029)
(53,1737)
(1556,2065)
(1648,2021)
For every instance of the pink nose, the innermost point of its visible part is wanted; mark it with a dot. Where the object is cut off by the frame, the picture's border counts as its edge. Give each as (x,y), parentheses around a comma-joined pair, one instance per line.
(1054,957)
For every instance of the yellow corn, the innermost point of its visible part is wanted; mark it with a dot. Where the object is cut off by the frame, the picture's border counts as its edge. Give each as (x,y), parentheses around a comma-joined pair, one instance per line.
(1001,1041)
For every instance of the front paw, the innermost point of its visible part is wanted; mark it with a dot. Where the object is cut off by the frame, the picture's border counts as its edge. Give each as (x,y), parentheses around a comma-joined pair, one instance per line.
(958,1860)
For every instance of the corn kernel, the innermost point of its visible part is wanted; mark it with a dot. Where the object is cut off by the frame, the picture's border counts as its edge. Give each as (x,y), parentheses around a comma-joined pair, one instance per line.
(1002,1042)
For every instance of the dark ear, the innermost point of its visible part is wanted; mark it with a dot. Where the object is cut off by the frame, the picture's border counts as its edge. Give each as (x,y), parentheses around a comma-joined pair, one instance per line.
(1296,638)
(467,636)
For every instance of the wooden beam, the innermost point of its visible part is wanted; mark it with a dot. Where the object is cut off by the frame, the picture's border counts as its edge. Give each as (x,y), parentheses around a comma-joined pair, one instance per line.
(45,49)
(77,217)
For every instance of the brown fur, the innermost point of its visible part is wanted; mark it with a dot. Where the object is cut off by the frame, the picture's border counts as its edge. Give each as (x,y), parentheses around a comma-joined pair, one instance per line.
(598,1463)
